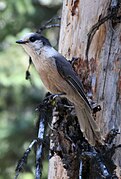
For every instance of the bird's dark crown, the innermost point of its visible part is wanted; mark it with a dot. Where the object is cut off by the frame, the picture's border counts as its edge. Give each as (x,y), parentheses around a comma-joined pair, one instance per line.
(37,36)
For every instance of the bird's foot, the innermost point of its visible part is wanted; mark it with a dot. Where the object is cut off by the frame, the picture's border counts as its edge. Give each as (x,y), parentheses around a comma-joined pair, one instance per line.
(52,97)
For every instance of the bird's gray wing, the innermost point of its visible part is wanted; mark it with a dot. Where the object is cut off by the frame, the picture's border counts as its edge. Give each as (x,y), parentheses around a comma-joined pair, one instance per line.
(66,71)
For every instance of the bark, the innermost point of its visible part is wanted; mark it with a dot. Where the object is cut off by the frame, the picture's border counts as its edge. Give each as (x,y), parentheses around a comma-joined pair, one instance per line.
(101,74)
(64,153)
(56,170)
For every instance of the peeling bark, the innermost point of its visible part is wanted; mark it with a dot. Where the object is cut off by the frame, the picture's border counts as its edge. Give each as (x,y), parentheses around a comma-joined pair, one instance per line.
(103,77)
(56,170)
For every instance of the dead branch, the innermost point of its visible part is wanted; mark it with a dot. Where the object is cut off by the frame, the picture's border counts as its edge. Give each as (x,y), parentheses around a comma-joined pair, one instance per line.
(47,25)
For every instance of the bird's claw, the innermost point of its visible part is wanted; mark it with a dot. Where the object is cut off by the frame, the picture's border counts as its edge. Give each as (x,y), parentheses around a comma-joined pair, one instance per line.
(52,97)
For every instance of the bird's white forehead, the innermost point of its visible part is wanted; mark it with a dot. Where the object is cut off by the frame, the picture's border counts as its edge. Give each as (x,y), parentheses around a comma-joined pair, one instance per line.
(28,35)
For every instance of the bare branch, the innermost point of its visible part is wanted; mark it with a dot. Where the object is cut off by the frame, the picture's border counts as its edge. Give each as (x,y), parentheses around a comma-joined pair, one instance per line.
(23,160)
(47,26)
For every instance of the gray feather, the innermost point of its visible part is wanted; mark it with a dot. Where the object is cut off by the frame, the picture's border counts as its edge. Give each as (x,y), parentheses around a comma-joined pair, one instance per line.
(87,124)
(66,71)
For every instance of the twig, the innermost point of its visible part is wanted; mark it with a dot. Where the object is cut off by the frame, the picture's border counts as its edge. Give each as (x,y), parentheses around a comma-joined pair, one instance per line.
(80,170)
(27,77)
(39,141)
(52,19)
(39,151)
(23,160)
(50,26)
(27,74)
(102,167)
(48,100)
(47,26)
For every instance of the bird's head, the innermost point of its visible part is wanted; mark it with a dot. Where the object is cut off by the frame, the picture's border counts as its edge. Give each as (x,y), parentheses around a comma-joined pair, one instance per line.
(33,43)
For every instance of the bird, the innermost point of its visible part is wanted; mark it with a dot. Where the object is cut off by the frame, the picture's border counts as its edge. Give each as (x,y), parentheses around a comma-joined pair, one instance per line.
(58,76)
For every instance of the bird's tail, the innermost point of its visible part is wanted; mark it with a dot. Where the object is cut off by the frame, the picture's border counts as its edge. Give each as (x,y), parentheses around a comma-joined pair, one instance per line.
(88,125)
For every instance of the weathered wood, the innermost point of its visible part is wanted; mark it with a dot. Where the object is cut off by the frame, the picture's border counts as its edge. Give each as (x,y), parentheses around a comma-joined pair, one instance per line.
(102,78)
(56,170)
(64,153)
(104,56)
(75,27)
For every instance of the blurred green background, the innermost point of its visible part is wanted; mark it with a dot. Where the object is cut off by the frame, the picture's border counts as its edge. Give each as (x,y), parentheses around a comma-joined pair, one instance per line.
(18,98)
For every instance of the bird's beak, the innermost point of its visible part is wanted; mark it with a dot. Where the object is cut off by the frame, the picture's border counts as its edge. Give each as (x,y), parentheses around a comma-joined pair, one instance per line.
(21,42)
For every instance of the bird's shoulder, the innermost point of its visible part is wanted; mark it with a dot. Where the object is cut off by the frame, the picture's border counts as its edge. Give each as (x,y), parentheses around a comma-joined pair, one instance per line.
(66,71)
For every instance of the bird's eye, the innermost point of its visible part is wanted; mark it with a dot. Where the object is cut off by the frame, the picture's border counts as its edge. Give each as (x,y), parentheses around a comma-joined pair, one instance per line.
(32,39)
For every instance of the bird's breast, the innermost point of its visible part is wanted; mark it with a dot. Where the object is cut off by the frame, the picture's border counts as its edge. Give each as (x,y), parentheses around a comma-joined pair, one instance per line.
(49,75)
(53,81)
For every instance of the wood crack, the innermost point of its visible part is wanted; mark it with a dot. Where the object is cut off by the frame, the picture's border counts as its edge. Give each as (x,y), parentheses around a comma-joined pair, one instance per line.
(75,6)
(106,68)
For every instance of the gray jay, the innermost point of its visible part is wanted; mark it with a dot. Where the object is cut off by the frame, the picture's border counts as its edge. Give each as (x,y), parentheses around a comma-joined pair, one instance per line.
(58,76)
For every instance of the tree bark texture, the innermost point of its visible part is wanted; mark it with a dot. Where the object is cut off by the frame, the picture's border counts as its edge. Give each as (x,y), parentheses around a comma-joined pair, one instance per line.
(101,74)
(104,74)
(56,170)
(64,154)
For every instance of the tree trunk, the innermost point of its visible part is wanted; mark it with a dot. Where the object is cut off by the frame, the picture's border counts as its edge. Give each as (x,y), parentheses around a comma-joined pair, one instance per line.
(101,71)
